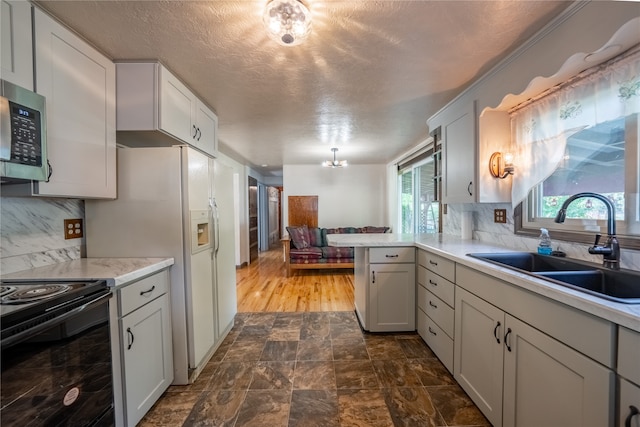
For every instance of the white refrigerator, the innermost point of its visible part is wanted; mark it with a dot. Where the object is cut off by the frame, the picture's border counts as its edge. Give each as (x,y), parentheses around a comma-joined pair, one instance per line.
(176,202)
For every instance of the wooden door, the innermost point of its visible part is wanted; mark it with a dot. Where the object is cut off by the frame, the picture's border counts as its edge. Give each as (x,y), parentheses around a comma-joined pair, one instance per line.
(303,210)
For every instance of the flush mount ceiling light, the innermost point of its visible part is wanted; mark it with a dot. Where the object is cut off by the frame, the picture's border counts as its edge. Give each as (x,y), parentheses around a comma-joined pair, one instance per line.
(288,21)
(335,163)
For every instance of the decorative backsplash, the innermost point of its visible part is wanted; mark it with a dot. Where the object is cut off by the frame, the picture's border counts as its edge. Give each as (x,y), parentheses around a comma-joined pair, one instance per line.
(32,232)
(484,229)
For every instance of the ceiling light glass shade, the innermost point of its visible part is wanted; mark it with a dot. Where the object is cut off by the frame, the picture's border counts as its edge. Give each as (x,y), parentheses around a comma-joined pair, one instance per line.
(288,21)
(334,163)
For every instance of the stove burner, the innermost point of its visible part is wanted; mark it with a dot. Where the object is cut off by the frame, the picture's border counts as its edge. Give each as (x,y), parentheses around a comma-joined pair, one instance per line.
(34,293)
(4,290)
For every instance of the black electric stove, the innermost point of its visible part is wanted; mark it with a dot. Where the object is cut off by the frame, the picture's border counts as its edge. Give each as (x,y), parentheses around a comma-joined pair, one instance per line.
(56,353)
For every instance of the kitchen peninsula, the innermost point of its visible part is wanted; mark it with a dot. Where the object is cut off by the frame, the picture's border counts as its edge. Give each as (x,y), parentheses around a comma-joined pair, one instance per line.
(497,330)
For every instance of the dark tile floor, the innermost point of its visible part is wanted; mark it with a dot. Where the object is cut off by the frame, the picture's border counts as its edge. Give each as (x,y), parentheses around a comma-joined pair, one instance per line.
(317,369)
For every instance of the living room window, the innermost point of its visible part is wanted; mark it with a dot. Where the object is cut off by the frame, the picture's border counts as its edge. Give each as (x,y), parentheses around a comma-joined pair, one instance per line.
(419,212)
(590,144)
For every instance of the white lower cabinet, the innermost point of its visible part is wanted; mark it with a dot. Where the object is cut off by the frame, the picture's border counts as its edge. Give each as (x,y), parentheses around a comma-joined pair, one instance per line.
(628,377)
(520,376)
(435,302)
(144,345)
(392,289)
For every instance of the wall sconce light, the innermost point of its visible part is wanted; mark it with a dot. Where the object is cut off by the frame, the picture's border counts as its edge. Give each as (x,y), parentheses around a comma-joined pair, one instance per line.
(501,165)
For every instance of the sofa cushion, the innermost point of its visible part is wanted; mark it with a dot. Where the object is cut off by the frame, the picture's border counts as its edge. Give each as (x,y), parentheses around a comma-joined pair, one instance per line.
(309,253)
(299,236)
(337,252)
(315,237)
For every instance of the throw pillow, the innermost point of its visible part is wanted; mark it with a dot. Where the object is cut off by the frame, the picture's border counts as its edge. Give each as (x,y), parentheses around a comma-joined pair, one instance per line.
(299,236)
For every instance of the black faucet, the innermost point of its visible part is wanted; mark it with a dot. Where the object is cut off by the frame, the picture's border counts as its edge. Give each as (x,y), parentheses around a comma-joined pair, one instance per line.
(611,249)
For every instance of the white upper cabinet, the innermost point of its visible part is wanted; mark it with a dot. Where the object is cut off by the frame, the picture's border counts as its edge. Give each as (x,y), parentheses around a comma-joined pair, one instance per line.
(150,98)
(79,85)
(459,140)
(16,48)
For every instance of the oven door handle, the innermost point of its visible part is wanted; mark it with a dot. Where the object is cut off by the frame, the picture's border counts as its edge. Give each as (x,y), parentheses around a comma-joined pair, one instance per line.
(34,330)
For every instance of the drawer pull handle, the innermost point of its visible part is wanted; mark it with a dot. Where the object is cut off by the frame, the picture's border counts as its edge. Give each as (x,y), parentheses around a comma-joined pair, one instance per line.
(432,332)
(433,262)
(633,411)
(432,304)
(495,332)
(373,277)
(391,256)
(505,339)
(130,335)
(431,282)
(142,293)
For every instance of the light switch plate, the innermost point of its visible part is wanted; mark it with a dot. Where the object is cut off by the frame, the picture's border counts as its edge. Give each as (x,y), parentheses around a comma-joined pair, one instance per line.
(73,228)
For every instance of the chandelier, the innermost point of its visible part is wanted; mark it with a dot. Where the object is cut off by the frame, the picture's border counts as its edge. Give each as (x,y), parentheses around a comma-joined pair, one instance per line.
(288,22)
(335,163)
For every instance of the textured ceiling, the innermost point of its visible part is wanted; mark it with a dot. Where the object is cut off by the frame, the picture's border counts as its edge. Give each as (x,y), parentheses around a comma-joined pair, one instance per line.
(365,81)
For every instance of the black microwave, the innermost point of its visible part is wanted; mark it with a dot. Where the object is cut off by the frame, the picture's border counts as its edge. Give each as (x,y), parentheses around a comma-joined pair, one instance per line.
(23,141)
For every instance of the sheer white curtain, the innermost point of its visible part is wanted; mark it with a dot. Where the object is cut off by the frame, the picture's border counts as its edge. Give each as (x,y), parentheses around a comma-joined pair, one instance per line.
(540,130)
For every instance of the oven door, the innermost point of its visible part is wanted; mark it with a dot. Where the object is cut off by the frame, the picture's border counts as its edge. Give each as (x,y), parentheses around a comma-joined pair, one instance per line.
(61,376)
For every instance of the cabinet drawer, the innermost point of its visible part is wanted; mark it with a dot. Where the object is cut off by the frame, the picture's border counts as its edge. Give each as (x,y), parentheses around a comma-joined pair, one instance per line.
(436,339)
(392,255)
(439,265)
(629,354)
(141,292)
(437,310)
(439,286)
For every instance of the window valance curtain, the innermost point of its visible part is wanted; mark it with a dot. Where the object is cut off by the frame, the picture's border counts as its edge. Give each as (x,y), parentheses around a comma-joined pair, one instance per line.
(540,130)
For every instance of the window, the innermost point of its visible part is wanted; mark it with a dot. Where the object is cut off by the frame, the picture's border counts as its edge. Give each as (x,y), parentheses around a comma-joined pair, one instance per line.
(596,138)
(419,212)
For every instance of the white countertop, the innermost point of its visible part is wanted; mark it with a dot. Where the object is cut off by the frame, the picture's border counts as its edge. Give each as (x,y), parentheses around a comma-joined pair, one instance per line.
(456,249)
(116,271)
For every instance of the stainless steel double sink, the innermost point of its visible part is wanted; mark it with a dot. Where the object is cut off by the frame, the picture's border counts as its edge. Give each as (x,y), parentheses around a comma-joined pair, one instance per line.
(615,285)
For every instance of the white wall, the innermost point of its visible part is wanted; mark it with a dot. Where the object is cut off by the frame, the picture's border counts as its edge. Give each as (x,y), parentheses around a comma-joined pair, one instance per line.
(354,196)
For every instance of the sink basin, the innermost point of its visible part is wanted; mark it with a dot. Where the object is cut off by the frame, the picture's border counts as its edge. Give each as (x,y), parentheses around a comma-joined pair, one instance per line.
(614,285)
(531,262)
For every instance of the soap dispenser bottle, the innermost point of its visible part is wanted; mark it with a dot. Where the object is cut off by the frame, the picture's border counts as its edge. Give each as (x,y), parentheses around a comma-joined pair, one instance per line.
(544,246)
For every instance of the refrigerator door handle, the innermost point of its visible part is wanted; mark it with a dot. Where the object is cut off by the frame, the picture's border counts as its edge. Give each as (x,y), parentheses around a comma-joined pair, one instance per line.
(216,228)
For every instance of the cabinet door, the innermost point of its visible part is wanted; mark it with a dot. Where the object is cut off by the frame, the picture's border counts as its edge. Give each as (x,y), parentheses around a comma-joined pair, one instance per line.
(547,383)
(459,159)
(148,360)
(392,297)
(79,84)
(478,354)
(629,399)
(16,49)
(206,138)
(177,107)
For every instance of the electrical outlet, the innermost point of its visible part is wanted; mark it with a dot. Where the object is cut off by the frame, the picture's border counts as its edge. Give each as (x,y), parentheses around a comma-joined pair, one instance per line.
(73,228)
(500,216)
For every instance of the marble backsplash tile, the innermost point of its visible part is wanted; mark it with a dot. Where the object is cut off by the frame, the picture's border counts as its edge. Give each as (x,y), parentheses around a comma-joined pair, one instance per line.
(484,229)
(32,232)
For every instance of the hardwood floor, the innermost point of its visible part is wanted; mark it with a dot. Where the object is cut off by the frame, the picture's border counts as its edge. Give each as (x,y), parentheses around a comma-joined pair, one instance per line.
(264,287)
